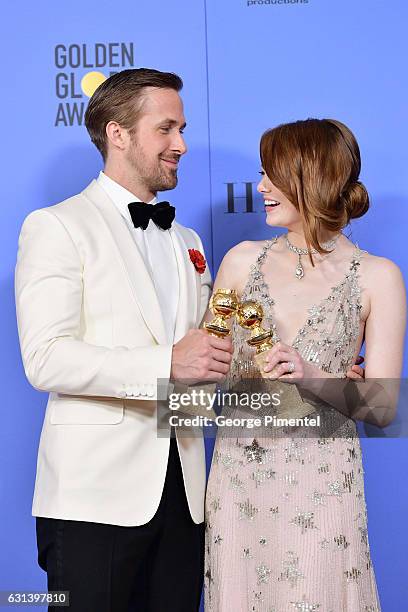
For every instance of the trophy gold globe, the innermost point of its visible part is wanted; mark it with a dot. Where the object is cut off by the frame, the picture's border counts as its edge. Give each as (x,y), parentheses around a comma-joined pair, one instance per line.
(223,304)
(249,316)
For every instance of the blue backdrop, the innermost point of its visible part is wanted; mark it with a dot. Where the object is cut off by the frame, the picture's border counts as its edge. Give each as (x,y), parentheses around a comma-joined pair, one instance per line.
(247,65)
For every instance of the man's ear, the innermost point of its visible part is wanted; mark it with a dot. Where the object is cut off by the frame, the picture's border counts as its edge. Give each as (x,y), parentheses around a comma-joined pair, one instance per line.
(118,137)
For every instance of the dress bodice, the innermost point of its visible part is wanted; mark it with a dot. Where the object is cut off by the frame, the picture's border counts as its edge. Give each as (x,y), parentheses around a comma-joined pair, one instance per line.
(329,334)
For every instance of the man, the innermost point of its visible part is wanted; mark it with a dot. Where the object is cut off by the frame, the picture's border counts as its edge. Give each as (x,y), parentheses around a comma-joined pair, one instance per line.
(109,297)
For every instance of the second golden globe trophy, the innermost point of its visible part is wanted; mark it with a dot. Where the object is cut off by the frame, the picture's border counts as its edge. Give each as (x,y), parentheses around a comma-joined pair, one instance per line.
(250,315)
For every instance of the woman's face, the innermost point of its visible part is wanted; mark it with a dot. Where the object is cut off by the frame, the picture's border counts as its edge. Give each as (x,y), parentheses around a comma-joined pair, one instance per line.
(280,212)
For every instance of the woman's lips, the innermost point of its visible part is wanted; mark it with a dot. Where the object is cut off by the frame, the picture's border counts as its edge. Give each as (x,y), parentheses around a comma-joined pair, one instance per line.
(269,204)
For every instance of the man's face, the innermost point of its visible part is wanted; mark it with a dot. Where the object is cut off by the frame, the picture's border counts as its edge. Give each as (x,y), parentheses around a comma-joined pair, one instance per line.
(157,142)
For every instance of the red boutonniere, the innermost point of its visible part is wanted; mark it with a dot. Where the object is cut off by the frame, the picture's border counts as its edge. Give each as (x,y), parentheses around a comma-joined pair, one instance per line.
(198,260)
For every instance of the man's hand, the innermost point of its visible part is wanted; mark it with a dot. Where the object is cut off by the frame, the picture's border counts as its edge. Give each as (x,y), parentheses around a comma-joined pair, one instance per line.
(356,372)
(200,357)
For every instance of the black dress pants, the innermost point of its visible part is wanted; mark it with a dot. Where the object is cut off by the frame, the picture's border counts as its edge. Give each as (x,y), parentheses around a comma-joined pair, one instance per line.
(156,567)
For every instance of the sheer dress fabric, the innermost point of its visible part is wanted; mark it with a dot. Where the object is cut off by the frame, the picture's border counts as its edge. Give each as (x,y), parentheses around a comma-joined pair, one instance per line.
(286,521)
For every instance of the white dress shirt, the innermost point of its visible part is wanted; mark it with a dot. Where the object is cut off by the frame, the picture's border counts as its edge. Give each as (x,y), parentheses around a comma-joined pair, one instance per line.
(156,248)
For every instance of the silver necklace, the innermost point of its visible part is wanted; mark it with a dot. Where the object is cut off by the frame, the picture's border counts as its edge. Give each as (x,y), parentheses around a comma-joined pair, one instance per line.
(299,270)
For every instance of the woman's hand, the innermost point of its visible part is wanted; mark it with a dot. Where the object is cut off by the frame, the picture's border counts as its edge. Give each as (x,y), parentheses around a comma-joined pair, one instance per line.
(284,362)
(356,372)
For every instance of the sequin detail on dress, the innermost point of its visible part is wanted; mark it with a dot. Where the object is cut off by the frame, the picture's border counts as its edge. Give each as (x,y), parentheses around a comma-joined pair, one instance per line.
(291,510)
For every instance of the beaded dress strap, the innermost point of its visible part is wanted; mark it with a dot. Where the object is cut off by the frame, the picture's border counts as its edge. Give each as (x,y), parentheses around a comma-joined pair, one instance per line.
(355,263)
(255,284)
(264,251)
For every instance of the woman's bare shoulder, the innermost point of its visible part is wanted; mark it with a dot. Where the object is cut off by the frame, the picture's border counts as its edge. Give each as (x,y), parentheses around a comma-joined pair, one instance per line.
(246,250)
(381,273)
(236,264)
(376,264)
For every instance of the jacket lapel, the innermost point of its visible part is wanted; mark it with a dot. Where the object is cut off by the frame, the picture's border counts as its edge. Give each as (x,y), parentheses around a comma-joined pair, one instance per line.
(140,280)
(190,286)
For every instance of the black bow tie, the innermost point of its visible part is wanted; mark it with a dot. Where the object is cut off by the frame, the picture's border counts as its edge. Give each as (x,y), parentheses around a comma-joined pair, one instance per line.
(162,214)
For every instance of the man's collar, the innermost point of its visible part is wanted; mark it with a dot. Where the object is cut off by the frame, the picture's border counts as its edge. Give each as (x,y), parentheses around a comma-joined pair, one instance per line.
(120,195)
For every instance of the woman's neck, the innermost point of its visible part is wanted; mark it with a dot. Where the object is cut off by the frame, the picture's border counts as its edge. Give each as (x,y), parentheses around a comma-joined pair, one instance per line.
(297,238)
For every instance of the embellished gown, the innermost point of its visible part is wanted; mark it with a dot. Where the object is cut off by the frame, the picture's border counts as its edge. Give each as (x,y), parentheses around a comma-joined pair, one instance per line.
(286,523)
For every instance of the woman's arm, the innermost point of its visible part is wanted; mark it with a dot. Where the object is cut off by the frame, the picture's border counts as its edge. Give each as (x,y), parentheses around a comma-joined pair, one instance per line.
(374,399)
(386,322)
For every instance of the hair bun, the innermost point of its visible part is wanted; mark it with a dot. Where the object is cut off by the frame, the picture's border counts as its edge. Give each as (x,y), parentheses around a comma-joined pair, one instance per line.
(356,201)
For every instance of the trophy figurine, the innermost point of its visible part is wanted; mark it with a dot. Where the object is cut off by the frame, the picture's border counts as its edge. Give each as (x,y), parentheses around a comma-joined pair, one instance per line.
(223,304)
(249,316)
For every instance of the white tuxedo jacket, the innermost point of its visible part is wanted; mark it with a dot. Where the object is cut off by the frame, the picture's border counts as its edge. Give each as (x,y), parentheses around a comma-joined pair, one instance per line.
(92,335)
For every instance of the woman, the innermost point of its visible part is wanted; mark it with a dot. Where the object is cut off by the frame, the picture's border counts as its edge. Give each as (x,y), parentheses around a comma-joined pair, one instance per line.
(286,514)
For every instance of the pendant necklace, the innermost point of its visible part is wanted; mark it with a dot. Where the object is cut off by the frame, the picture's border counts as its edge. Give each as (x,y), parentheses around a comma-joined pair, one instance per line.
(299,270)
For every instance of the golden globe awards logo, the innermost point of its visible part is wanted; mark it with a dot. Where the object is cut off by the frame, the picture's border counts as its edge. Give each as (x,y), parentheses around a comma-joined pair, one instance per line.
(81,68)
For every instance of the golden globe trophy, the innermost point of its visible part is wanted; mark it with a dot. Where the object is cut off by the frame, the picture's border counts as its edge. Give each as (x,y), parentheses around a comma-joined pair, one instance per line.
(223,304)
(250,315)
